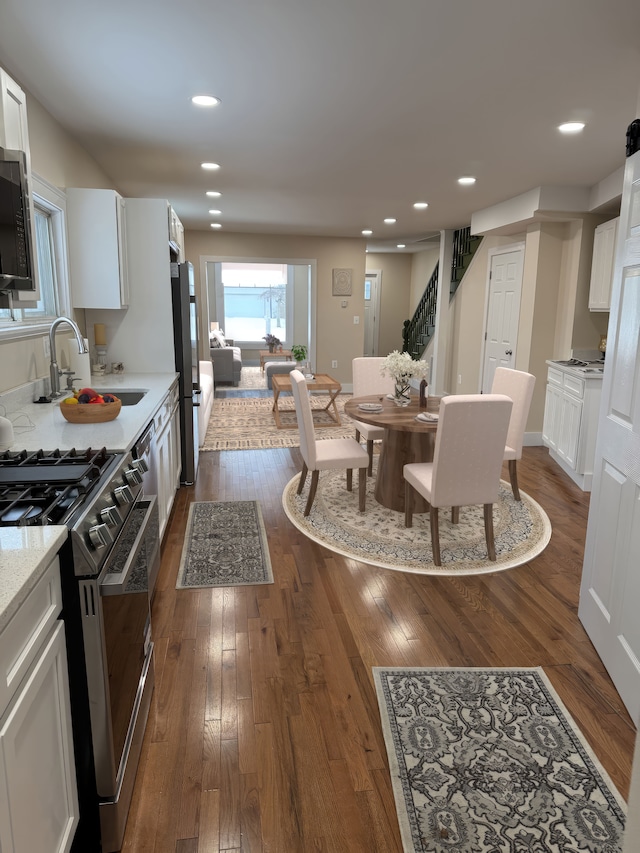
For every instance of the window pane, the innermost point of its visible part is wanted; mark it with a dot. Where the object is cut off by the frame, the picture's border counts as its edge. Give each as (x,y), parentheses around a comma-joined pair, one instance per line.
(46,266)
(255,301)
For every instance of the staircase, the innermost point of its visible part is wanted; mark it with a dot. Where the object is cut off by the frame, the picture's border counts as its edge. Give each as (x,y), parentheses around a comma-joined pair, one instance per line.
(418,331)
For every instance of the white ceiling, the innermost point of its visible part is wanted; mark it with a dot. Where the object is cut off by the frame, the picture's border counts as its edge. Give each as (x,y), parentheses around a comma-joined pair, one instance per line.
(335,113)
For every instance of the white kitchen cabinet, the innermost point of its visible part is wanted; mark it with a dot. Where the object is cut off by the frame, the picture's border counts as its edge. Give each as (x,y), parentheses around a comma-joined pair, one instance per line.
(570,423)
(38,795)
(176,233)
(97,248)
(604,247)
(14,135)
(166,454)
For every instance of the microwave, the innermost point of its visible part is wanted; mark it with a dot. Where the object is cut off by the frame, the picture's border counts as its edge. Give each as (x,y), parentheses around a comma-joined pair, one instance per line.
(16,259)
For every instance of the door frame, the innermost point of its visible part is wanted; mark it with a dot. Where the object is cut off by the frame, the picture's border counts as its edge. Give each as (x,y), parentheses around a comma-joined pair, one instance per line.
(491,254)
(376,286)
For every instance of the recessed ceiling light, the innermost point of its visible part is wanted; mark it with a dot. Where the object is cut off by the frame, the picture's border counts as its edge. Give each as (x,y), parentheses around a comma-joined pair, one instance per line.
(210,165)
(216,225)
(401,246)
(367,232)
(213,194)
(571,127)
(466,180)
(421,205)
(215,212)
(205,100)
(390,221)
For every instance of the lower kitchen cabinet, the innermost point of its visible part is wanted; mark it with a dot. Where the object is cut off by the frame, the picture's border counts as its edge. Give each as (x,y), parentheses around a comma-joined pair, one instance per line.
(38,795)
(166,454)
(570,425)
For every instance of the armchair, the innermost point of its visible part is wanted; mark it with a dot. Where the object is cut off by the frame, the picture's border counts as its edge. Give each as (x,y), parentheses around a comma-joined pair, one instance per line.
(226,359)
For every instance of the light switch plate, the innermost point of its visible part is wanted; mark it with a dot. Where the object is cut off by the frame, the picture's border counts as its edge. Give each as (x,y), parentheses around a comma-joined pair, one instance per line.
(356,320)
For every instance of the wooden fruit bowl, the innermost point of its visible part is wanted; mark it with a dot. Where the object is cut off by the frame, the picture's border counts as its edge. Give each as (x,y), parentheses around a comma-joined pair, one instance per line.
(90,413)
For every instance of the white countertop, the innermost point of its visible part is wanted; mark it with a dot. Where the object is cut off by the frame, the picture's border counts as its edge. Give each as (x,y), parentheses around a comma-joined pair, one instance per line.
(25,554)
(583,373)
(42,425)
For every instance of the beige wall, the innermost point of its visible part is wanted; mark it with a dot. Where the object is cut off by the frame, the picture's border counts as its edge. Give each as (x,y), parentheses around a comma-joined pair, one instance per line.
(336,336)
(57,158)
(422,267)
(394,297)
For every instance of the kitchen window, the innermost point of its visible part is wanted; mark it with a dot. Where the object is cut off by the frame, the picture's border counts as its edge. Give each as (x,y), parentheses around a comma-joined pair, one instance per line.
(49,242)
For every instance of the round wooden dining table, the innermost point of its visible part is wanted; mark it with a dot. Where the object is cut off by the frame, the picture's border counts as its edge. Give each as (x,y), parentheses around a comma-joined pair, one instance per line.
(405,440)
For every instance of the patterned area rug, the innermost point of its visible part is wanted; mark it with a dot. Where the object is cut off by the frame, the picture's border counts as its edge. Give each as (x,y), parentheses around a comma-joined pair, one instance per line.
(378,536)
(489,761)
(246,423)
(225,545)
(252,377)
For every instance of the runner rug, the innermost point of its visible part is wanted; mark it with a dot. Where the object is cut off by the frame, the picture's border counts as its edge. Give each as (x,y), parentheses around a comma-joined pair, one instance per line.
(246,423)
(378,536)
(225,545)
(489,761)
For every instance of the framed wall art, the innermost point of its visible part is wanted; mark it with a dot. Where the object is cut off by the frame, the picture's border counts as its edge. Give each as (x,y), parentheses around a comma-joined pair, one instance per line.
(341,285)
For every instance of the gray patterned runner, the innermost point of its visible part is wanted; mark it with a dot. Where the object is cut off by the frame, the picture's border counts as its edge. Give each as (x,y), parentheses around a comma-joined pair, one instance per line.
(489,761)
(225,545)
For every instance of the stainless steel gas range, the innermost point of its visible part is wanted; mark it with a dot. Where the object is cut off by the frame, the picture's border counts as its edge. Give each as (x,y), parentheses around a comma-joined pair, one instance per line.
(112,550)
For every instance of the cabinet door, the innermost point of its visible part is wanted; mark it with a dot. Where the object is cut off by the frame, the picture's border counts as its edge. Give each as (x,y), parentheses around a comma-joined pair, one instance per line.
(97,248)
(38,797)
(14,135)
(569,434)
(551,425)
(604,245)
(175,450)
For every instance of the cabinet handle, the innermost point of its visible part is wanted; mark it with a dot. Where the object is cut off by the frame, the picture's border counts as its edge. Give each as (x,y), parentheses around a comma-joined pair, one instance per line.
(508,352)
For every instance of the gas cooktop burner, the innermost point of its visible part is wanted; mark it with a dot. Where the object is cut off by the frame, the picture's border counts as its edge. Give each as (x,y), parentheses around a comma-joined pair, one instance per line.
(46,487)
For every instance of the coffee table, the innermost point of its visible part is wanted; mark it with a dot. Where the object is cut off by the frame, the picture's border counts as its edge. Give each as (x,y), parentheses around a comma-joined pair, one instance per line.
(405,440)
(266,356)
(321,382)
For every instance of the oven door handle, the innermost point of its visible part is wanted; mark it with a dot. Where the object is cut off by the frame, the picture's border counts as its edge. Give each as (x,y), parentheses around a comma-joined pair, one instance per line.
(116,583)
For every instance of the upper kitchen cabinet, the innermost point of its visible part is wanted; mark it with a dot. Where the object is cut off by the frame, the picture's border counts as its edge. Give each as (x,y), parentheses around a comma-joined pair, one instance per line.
(97,248)
(604,247)
(176,233)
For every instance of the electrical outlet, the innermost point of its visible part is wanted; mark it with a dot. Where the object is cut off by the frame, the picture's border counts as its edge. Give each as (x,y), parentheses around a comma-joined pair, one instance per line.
(459,379)
(46,346)
(334,364)
(356,320)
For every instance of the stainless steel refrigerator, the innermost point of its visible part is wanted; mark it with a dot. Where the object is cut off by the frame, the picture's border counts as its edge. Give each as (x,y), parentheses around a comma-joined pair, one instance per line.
(185,334)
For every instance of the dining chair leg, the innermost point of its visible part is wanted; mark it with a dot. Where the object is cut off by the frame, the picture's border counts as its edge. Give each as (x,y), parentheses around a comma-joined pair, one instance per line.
(362,488)
(455,514)
(370,452)
(358,436)
(312,491)
(408,504)
(303,477)
(513,476)
(488,531)
(435,535)
(349,479)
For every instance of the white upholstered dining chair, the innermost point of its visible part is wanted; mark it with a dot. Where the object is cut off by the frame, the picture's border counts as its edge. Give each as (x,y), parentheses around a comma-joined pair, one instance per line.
(467,462)
(367,379)
(328,453)
(517,385)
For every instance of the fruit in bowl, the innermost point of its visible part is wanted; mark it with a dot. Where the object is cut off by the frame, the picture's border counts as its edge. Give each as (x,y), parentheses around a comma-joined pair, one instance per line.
(89,407)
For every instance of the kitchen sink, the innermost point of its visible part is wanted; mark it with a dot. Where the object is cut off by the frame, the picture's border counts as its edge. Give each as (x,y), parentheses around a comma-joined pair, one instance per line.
(127,398)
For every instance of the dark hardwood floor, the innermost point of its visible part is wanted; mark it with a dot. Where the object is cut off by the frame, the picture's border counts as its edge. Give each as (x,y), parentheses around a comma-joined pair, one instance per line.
(264,732)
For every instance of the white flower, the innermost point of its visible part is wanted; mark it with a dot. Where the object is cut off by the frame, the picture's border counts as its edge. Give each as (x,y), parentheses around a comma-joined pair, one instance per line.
(400,365)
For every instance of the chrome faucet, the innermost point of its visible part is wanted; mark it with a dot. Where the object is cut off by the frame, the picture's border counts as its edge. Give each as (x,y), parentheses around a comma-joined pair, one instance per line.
(54,371)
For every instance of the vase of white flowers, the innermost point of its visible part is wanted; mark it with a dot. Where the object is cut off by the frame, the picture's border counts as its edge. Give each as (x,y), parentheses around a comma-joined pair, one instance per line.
(403,369)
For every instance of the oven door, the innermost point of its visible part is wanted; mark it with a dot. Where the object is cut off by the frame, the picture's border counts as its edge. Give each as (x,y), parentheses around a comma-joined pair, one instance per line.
(119,660)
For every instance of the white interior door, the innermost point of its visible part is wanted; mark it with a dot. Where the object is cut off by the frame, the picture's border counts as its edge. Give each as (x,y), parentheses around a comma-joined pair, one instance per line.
(503,312)
(371,311)
(610,590)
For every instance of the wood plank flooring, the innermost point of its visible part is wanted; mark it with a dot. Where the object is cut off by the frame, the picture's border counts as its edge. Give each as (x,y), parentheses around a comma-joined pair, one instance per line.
(264,732)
